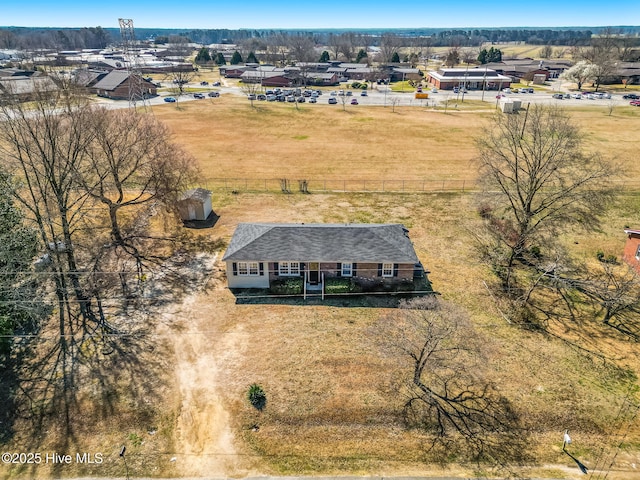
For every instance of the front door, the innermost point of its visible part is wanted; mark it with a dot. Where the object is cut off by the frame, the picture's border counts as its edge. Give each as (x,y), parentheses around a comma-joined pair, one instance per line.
(313,272)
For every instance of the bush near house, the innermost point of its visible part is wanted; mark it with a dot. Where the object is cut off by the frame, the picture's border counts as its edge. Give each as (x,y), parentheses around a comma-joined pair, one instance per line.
(341,285)
(286,286)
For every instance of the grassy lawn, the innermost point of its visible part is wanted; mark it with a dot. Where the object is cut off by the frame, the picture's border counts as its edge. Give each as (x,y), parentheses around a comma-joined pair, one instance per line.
(330,405)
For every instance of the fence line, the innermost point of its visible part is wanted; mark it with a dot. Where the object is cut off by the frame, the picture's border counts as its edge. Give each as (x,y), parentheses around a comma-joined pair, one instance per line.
(286,185)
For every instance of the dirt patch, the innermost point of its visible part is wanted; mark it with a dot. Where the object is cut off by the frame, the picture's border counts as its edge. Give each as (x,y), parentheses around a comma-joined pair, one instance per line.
(204,437)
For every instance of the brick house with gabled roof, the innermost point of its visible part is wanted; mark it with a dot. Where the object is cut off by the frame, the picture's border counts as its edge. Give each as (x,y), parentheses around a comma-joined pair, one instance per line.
(115,85)
(261,253)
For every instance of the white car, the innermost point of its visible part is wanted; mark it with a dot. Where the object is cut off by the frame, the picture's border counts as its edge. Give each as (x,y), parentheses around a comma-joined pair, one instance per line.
(577,96)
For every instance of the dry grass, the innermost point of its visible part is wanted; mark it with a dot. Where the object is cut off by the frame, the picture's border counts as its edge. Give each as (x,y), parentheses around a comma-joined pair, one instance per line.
(328,410)
(230,139)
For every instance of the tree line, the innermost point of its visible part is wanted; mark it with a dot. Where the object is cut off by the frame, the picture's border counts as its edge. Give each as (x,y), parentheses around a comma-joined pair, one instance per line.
(99,37)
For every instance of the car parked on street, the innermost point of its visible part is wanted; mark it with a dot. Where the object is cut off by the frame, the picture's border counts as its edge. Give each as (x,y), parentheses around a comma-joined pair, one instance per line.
(354,101)
(333,101)
(170,99)
(199,96)
(213,94)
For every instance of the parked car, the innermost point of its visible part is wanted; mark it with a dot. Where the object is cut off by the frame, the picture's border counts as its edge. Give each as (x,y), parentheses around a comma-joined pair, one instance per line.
(198,95)
(434,90)
(170,99)
(251,96)
(213,94)
(557,96)
(271,98)
(341,93)
(577,96)
(261,97)
(300,99)
(216,84)
(635,103)
(291,99)
(349,93)
(333,93)
(354,101)
(313,100)
(204,83)
(333,101)
(631,96)
(363,93)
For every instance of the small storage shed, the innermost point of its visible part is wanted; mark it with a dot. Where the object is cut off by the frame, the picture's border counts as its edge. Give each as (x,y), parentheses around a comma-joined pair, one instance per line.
(195,204)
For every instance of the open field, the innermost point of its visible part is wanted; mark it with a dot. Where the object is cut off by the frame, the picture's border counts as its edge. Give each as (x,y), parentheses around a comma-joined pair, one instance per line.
(330,408)
(322,142)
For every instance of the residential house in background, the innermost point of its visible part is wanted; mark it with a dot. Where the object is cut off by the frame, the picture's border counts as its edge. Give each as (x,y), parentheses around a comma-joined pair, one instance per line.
(631,253)
(262,253)
(115,85)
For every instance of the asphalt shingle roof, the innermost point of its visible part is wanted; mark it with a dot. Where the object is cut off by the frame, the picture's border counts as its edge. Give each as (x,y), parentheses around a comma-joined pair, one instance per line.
(321,242)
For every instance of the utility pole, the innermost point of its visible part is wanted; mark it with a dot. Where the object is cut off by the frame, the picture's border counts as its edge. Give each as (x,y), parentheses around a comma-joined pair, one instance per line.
(130,53)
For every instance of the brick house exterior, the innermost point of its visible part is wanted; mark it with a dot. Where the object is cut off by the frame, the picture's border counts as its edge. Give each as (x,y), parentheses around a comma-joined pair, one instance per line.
(261,253)
(631,253)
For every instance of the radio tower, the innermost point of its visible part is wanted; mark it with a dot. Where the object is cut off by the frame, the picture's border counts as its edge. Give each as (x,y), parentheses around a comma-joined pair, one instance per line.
(136,89)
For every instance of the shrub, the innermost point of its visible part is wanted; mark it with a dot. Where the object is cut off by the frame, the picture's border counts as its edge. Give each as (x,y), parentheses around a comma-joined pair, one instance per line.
(341,285)
(287,286)
(256,396)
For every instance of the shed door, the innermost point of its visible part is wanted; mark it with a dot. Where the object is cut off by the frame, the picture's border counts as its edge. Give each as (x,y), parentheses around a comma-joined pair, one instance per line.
(192,211)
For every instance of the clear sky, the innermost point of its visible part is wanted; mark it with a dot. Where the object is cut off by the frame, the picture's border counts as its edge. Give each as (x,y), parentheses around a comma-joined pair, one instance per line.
(318,14)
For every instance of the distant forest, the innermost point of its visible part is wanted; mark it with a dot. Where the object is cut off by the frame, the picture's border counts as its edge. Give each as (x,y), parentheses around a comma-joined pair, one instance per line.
(27,38)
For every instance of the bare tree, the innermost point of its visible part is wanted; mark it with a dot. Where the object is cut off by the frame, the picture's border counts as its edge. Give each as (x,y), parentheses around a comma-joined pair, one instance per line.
(81,169)
(301,48)
(348,45)
(178,78)
(251,89)
(468,56)
(390,43)
(443,379)
(334,45)
(603,54)
(538,182)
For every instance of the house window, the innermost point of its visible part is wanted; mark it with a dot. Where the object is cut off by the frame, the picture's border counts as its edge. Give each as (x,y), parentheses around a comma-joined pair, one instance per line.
(387,269)
(347,269)
(248,268)
(289,268)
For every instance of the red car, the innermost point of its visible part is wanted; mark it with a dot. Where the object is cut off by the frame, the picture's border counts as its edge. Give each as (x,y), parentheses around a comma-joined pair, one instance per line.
(635,103)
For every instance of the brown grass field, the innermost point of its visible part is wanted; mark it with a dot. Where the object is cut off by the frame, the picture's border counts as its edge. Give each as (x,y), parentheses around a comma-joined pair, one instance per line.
(330,410)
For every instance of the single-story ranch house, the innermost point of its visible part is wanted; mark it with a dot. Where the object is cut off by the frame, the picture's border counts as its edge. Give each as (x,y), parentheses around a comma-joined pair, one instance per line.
(262,253)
